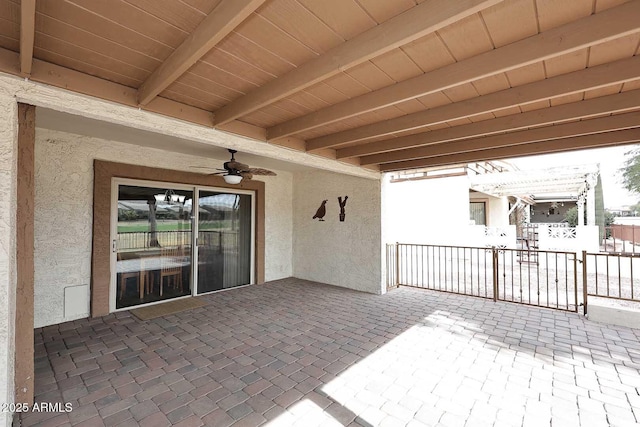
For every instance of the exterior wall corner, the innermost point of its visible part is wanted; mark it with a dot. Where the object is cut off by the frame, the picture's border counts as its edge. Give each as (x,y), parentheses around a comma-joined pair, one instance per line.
(8,258)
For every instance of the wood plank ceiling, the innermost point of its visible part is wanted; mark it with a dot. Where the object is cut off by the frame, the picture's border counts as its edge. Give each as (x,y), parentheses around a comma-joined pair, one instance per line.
(388,85)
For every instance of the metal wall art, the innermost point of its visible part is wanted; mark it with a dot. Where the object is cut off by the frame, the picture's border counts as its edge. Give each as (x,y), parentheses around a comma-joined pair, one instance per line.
(321,212)
(342,204)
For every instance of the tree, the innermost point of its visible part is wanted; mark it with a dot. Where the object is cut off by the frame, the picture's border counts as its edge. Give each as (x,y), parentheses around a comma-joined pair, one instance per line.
(571,216)
(609,218)
(631,171)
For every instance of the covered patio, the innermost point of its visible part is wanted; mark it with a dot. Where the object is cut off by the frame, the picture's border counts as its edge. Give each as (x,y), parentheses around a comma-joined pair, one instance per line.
(293,352)
(326,95)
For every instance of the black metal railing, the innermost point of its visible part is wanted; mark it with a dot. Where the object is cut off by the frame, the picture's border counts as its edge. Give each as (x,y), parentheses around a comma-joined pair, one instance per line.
(621,238)
(551,281)
(391,266)
(461,270)
(225,241)
(496,273)
(612,276)
(147,239)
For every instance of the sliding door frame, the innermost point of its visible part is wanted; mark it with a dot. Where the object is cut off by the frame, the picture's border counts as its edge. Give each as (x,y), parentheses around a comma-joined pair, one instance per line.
(115,186)
(105,171)
(196,227)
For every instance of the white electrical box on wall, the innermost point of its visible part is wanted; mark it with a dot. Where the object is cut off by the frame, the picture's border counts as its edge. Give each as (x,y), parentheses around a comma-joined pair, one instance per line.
(76,302)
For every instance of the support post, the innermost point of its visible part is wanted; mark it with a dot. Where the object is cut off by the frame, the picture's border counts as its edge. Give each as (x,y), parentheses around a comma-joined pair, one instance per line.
(24,353)
(580,211)
(591,205)
(494,256)
(8,249)
(584,281)
(397,265)
(575,281)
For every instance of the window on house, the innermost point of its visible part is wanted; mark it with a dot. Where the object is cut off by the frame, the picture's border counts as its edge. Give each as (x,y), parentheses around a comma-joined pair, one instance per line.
(477,213)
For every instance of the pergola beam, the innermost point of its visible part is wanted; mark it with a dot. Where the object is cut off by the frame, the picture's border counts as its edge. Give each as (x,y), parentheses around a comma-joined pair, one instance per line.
(594,29)
(566,130)
(622,137)
(615,103)
(27,35)
(417,22)
(562,187)
(216,26)
(578,81)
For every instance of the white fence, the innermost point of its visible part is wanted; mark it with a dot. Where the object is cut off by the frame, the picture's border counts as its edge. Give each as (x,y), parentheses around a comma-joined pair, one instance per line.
(572,239)
(482,236)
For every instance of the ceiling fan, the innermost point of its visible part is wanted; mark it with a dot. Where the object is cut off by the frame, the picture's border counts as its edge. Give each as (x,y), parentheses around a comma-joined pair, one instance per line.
(234,172)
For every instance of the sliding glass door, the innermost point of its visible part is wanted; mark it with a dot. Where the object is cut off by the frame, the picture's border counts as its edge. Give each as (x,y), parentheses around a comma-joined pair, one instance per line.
(154,229)
(152,244)
(225,230)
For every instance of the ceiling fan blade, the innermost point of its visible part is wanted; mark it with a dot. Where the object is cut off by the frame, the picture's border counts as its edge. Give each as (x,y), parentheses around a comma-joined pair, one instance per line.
(246,175)
(260,171)
(219,173)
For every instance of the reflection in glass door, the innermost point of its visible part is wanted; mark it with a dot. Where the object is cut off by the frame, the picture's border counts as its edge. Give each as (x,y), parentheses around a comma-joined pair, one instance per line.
(224,240)
(152,244)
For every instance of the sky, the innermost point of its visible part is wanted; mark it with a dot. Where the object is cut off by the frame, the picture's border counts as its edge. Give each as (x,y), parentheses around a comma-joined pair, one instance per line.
(611,160)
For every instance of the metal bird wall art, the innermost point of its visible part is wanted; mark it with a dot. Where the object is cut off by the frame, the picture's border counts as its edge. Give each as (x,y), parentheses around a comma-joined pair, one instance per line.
(321,212)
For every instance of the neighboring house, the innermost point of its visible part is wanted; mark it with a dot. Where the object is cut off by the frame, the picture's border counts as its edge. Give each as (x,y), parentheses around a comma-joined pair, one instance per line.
(545,195)
(441,207)
(551,209)
(624,211)
(492,193)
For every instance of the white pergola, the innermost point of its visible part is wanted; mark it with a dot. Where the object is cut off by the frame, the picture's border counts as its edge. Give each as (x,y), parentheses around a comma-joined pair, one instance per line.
(570,182)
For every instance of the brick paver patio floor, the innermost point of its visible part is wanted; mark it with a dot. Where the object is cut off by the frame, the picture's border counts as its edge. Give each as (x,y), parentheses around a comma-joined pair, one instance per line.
(296,353)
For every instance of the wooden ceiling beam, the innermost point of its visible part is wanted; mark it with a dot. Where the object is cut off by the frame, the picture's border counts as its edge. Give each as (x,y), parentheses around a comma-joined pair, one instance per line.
(215,27)
(594,29)
(566,130)
(27,35)
(417,22)
(75,81)
(579,81)
(621,137)
(608,104)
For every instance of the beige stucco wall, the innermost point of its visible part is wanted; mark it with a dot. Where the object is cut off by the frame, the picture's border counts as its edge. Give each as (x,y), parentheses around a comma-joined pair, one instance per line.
(63,213)
(8,158)
(345,253)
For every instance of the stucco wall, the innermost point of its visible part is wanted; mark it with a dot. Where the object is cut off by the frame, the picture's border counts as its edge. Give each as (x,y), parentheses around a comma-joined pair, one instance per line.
(8,156)
(430,211)
(348,253)
(63,213)
(278,226)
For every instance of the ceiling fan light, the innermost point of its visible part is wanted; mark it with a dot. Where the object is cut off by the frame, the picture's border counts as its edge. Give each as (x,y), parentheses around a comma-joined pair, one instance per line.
(232,179)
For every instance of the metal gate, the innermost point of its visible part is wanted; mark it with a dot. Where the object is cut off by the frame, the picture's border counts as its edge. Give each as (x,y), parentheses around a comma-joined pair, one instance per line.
(496,273)
(613,276)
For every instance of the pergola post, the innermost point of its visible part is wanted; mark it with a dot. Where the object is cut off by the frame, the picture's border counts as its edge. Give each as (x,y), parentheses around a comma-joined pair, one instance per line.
(580,204)
(591,201)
